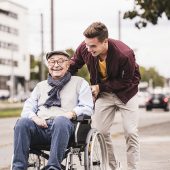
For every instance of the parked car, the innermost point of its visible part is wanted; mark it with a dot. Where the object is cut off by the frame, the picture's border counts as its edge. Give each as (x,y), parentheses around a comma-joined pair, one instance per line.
(158,101)
(142,98)
(4,94)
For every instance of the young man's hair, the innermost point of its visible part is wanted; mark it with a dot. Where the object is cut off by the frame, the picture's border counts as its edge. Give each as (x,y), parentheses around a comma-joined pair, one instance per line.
(98,30)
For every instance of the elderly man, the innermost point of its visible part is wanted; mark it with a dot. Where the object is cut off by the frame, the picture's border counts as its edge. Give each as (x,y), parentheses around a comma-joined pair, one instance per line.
(47,114)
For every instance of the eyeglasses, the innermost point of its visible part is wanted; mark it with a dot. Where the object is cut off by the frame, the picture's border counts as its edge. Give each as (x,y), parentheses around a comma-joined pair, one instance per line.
(59,61)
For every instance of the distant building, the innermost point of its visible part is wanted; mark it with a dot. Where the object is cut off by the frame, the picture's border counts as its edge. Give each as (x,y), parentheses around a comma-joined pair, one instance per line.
(14,58)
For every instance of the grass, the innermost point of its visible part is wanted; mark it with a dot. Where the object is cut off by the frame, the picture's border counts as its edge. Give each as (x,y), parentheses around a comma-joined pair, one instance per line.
(10,112)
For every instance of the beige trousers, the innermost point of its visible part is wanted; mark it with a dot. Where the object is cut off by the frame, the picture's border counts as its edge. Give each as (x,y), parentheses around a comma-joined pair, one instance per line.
(105,108)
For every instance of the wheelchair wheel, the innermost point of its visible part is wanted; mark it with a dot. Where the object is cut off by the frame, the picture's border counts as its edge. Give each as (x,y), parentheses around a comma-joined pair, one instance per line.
(95,152)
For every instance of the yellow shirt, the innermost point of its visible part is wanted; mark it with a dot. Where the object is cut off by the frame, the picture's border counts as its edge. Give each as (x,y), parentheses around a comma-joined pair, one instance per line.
(102,69)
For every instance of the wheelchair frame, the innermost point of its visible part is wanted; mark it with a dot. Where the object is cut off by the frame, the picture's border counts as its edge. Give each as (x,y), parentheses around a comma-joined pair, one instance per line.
(91,153)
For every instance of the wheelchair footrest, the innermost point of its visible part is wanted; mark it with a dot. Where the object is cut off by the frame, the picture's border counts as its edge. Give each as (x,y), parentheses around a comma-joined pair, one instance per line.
(40,153)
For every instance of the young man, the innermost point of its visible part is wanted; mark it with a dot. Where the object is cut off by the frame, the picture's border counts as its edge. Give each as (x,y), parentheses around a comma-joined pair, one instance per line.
(114,77)
(46,116)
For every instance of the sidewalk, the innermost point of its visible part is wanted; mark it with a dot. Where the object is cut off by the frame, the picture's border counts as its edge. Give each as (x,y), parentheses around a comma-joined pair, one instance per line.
(5,105)
(154,140)
(155,148)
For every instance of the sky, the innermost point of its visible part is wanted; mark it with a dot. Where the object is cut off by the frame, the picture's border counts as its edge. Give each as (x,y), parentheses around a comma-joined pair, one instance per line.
(151,44)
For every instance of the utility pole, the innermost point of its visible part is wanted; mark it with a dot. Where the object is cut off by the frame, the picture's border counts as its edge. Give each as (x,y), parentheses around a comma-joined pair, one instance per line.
(42,49)
(119,25)
(12,75)
(52,25)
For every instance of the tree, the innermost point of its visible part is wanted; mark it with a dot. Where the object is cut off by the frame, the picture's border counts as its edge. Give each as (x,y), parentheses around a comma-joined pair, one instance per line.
(148,11)
(35,68)
(152,74)
(83,72)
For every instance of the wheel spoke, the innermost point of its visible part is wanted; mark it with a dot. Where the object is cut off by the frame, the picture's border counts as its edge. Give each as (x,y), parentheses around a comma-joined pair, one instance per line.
(96,159)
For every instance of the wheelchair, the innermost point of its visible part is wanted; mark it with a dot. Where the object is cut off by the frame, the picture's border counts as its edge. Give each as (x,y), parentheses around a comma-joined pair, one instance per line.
(86,150)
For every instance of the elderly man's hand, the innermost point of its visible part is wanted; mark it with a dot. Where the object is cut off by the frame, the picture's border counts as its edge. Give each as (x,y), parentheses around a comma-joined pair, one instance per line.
(40,122)
(69,115)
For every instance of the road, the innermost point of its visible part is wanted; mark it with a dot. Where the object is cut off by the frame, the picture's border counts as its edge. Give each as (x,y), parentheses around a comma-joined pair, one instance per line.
(154,130)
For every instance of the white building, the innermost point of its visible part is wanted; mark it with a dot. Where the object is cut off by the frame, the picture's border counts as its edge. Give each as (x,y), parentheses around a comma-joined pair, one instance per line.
(14,58)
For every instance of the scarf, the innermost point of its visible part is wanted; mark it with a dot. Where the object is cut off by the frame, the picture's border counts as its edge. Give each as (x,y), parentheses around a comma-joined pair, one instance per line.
(54,94)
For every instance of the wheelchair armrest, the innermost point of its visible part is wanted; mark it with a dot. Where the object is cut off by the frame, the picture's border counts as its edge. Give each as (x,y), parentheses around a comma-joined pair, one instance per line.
(83,117)
(82,127)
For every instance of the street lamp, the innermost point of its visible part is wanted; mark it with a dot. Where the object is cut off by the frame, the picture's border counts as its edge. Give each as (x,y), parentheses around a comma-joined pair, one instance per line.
(52,25)
(42,49)
(119,25)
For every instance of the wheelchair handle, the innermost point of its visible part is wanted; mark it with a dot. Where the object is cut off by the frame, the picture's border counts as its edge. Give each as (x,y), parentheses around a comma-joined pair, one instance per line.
(83,117)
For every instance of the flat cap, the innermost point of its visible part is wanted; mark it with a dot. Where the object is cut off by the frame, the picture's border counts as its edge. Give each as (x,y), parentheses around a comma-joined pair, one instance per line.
(50,54)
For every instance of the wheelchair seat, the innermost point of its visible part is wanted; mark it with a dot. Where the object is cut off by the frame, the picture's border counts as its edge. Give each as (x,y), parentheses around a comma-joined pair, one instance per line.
(86,141)
(82,127)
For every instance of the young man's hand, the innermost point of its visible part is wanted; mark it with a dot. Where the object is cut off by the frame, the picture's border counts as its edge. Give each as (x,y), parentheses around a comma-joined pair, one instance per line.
(95,90)
(40,122)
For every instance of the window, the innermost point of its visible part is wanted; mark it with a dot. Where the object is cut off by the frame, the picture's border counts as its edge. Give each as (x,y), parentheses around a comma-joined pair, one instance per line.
(3,82)
(8,62)
(8,29)
(9,13)
(10,46)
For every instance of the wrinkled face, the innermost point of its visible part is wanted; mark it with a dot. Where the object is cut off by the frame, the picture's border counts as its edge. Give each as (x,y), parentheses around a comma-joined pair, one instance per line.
(58,66)
(95,47)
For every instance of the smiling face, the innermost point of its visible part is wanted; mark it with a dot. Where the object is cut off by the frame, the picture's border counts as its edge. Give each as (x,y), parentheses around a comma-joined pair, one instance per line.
(96,47)
(58,66)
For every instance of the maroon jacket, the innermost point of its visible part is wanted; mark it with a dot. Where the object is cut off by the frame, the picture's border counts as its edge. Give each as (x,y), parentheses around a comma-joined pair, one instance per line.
(122,70)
